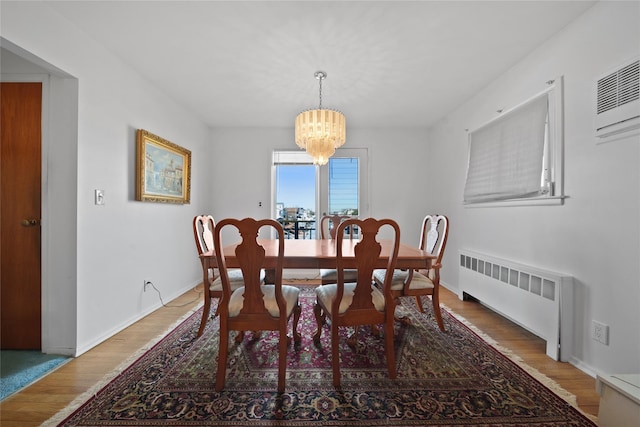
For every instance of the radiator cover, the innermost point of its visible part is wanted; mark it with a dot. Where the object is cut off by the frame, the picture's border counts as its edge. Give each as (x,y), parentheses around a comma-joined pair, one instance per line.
(539,300)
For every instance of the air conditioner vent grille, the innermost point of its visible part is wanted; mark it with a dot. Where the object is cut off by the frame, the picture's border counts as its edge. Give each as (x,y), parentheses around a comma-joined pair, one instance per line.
(619,87)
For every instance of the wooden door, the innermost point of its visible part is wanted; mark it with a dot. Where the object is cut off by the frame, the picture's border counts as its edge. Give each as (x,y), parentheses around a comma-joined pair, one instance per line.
(20,188)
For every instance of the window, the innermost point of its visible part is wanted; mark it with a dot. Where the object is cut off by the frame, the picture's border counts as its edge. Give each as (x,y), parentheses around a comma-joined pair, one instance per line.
(344,183)
(517,158)
(295,179)
(343,186)
(303,192)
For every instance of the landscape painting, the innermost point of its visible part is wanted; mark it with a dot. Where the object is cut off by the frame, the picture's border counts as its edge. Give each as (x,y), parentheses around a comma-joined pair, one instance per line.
(163,172)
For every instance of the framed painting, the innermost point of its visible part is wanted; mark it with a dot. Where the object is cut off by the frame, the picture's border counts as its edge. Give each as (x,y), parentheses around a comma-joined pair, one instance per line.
(163,170)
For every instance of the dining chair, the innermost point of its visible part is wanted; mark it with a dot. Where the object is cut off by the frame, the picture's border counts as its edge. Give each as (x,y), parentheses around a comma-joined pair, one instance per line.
(203,226)
(351,304)
(416,283)
(328,228)
(254,306)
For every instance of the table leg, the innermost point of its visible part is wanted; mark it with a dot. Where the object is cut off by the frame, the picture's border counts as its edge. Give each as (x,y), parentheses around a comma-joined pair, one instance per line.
(269,276)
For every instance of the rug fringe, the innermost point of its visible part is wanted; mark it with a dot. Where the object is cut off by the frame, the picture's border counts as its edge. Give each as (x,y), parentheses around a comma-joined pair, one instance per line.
(535,373)
(93,390)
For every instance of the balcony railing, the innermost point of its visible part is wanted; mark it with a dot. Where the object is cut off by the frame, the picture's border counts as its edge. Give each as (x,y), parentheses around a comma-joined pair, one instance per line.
(299,228)
(306,229)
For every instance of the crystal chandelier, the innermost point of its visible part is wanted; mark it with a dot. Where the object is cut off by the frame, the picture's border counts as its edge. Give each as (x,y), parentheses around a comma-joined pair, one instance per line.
(320,131)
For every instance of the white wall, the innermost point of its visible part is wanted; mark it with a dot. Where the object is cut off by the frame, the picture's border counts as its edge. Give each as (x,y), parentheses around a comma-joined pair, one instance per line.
(99,291)
(595,236)
(114,247)
(241,172)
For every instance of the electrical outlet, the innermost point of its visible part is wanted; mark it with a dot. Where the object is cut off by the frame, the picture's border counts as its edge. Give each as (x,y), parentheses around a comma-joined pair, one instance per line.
(600,332)
(145,284)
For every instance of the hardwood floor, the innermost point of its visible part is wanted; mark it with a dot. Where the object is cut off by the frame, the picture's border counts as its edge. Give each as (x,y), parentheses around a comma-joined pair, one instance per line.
(54,392)
(530,348)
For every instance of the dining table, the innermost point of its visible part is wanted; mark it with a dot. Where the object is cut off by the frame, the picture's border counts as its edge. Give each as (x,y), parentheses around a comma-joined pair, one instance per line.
(320,254)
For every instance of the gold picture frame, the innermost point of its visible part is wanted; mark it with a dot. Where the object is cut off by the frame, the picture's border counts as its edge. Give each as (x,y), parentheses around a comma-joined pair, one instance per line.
(163,170)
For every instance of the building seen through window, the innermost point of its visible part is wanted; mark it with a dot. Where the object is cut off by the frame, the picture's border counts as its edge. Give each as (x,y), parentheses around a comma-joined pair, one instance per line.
(296,199)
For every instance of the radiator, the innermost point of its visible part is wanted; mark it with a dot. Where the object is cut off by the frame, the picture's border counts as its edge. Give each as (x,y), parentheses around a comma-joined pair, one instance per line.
(540,301)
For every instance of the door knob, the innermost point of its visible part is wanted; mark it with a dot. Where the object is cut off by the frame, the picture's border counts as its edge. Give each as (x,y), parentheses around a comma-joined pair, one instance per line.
(30,222)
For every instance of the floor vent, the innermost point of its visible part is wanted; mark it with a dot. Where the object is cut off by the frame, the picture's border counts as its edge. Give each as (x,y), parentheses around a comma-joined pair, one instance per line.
(539,300)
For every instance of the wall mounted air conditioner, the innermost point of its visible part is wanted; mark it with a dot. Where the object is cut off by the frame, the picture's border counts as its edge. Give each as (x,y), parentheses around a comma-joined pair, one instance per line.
(618,100)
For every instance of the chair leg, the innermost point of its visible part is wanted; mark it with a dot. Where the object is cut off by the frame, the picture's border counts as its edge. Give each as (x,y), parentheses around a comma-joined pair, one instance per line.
(436,308)
(317,311)
(405,320)
(389,349)
(297,338)
(282,363)
(419,303)
(335,355)
(223,349)
(352,341)
(323,315)
(205,315)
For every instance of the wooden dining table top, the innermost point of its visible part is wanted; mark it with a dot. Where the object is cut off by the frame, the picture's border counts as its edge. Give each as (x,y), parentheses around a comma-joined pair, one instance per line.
(321,253)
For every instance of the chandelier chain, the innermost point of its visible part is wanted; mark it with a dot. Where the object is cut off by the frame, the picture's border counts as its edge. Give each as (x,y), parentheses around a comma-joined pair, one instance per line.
(320,93)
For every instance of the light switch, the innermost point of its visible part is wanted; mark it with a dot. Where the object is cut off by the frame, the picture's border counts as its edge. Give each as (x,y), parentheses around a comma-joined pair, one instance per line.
(99,197)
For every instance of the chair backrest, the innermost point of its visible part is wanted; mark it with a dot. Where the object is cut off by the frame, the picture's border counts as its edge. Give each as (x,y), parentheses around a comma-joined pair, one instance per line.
(367,253)
(251,256)
(433,237)
(203,226)
(329,225)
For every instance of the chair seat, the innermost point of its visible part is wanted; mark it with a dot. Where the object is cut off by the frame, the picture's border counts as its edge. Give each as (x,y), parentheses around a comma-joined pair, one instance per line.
(331,275)
(235,280)
(419,280)
(290,294)
(326,294)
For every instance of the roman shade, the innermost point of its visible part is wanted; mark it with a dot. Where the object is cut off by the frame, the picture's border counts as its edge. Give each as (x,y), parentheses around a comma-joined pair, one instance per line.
(506,154)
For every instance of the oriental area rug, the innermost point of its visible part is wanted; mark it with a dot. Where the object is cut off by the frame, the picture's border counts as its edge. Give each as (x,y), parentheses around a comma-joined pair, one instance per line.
(444,379)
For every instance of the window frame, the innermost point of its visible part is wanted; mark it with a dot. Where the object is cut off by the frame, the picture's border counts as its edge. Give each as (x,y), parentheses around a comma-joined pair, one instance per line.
(553,151)
(288,156)
(363,181)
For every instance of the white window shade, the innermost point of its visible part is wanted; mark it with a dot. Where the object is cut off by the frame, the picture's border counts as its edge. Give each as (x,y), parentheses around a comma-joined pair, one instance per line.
(506,155)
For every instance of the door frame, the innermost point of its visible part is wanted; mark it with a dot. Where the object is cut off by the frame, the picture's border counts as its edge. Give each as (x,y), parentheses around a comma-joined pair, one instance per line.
(321,204)
(59,195)
(321,174)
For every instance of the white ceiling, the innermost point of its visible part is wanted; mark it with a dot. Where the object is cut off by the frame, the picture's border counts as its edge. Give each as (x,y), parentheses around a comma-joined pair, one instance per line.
(389,63)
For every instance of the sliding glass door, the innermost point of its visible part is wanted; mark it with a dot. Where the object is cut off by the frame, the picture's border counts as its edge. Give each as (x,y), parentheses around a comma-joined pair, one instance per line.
(295,179)
(304,192)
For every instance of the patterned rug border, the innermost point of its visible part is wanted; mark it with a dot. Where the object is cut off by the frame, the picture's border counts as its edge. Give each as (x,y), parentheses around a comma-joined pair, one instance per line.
(532,372)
